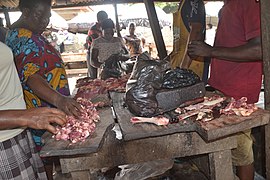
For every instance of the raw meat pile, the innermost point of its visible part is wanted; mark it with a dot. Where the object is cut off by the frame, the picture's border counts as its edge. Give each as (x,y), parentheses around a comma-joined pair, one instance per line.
(88,81)
(96,90)
(203,110)
(77,130)
(239,107)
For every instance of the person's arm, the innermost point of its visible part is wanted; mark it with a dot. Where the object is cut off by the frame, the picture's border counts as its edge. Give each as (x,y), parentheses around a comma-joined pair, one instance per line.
(143,42)
(36,118)
(125,55)
(94,58)
(196,34)
(44,91)
(251,51)
(85,45)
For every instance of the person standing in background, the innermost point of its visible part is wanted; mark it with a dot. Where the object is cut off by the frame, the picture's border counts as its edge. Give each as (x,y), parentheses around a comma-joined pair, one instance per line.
(133,42)
(93,33)
(236,67)
(106,46)
(188,25)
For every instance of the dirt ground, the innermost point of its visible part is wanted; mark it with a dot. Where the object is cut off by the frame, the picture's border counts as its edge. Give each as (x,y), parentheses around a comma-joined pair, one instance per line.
(79,40)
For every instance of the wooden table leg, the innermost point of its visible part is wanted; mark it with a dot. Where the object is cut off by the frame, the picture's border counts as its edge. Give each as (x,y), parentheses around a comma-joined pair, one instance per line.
(267,150)
(220,164)
(81,175)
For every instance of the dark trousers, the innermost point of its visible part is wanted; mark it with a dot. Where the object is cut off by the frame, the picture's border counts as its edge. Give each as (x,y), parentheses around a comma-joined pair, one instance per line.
(92,71)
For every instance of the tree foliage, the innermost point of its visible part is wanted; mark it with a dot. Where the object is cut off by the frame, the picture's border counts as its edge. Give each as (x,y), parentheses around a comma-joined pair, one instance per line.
(168,7)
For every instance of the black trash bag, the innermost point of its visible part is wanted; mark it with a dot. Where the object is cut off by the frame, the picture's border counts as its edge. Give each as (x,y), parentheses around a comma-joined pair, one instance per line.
(114,67)
(145,80)
(179,78)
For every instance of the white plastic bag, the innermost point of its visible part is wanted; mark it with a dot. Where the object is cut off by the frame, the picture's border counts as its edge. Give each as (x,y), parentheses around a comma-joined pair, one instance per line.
(144,170)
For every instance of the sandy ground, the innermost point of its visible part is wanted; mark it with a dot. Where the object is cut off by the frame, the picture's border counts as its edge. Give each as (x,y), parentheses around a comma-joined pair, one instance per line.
(143,32)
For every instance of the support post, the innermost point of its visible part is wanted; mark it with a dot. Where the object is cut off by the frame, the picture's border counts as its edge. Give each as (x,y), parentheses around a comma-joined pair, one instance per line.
(155,27)
(265,31)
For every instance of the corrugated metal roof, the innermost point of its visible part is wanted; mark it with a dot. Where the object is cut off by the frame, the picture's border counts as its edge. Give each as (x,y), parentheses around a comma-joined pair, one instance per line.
(12,4)
(9,3)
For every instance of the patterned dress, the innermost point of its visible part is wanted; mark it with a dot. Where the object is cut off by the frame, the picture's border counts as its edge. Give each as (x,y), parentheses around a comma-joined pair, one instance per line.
(33,54)
(190,11)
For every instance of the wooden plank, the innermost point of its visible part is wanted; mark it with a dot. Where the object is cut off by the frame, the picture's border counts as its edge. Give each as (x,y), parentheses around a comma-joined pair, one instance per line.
(73,57)
(217,128)
(80,175)
(227,125)
(143,130)
(115,152)
(92,144)
(265,30)
(77,71)
(78,53)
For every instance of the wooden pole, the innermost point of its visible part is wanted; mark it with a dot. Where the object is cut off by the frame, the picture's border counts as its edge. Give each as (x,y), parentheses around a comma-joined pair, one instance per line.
(265,31)
(8,24)
(154,23)
(117,20)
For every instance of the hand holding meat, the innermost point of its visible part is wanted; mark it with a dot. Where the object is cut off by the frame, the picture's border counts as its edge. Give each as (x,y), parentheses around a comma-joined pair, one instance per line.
(42,118)
(68,105)
(198,48)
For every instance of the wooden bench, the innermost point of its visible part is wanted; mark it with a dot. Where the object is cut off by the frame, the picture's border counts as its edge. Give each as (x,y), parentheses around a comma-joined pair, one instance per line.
(75,64)
(76,71)
(73,57)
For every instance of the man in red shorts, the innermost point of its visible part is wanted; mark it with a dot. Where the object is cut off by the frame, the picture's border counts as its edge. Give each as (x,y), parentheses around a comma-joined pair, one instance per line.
(236,66)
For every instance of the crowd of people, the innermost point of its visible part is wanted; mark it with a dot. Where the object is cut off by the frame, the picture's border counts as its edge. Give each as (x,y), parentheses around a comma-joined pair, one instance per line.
(102,45)
(40,86)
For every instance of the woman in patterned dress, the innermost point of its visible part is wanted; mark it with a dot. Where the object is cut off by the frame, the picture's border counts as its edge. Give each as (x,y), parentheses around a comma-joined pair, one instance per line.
(39,64)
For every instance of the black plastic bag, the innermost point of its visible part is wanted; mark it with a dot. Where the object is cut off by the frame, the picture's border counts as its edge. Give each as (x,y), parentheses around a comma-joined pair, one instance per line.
(179,78)
(145,80)
(114,67)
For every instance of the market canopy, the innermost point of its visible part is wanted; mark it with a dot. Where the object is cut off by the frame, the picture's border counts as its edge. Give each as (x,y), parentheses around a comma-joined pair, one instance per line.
(82,22)
(56,21)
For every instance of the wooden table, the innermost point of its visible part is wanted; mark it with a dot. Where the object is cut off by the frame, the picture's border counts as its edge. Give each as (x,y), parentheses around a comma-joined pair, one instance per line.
(153,143)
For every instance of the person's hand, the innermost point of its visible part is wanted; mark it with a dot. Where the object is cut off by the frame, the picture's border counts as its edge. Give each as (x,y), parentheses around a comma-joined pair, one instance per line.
(199,48)
(43,118)
(68,105)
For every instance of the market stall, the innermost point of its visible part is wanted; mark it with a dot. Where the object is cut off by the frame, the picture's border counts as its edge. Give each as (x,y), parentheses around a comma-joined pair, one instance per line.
(148,142)
(266,46)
